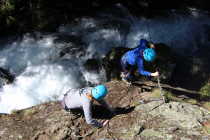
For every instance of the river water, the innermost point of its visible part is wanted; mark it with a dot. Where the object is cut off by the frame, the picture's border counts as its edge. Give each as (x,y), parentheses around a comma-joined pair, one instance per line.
(42,75)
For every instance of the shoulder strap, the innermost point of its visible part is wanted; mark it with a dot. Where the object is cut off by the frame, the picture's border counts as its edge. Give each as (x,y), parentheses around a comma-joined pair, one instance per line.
(68,91)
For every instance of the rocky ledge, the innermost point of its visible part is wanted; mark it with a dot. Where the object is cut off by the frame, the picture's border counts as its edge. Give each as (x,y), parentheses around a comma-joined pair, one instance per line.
(140,115)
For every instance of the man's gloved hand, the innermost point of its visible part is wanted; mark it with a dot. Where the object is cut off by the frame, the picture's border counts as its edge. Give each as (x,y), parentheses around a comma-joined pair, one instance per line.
(155,74)
(105,122)
(151,45)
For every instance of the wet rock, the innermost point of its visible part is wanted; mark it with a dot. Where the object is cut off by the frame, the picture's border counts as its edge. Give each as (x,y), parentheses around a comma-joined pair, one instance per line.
(60,38)
(92,65)
(5,77)
(69,45)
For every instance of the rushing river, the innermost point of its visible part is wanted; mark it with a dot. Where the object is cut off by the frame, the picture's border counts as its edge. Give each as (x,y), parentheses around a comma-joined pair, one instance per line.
(43,75)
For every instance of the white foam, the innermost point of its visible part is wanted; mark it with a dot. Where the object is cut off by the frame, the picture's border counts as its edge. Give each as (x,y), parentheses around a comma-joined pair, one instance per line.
(19,55)
(36,85)
(42,76)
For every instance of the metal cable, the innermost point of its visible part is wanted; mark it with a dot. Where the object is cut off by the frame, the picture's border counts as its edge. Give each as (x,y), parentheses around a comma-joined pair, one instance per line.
(161,91)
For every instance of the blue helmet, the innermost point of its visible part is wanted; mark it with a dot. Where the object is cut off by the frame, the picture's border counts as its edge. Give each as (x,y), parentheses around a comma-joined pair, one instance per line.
(149,54)
(99,92)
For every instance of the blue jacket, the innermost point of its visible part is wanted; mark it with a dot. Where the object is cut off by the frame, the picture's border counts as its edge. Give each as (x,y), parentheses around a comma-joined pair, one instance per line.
(135,57)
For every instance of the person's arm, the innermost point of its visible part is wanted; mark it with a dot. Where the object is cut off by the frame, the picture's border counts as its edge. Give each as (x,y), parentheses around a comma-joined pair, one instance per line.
(143,72)
(141,68)
(155,74)
(88,116)
(151,45)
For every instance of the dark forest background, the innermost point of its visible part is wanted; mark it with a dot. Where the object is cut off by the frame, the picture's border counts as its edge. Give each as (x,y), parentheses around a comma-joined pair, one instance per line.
(20,16)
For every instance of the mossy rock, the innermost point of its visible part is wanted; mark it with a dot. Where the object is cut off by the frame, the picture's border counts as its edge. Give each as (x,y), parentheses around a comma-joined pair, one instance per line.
(156,93)
(206,105)
(205,90)
(29,112)
(150,133)
(191,101)
(171,97)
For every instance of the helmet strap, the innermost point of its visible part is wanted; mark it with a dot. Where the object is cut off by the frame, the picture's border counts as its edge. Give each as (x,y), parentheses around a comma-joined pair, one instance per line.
(89,96)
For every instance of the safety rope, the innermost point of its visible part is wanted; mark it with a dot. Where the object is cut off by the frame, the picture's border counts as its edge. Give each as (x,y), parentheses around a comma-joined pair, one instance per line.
(161,91)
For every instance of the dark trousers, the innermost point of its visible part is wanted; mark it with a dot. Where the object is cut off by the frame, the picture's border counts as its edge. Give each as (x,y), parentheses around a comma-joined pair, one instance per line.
(127,68)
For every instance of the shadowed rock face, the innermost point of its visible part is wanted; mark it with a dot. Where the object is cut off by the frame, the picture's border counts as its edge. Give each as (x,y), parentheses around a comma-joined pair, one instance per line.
(26,16)
(192,72)
(112,62)
(152,120)
(5,77)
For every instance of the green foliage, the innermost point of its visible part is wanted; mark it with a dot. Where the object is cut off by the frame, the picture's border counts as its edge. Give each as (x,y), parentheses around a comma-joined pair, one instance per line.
(205,90)
(7,19)
(192,101)
(10,20)
(19,16)
(156,93)
(170,97)
(6,6)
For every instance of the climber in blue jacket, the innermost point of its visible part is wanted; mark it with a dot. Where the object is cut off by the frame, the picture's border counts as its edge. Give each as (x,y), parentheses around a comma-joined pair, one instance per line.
(135,57)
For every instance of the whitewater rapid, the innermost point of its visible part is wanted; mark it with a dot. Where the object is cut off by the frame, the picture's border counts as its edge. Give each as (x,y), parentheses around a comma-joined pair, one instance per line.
(42,76)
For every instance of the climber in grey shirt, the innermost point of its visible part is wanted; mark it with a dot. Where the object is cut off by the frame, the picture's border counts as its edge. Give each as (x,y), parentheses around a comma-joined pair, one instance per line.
(83,98)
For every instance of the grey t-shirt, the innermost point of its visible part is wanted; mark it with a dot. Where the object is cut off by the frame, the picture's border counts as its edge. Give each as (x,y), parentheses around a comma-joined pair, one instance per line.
(77,98)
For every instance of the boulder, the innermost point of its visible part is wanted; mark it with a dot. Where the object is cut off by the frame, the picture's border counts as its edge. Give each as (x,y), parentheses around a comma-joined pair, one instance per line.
(5,77)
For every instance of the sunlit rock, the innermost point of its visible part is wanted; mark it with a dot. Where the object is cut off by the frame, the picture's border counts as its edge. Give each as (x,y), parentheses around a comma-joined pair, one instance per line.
(151,120)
